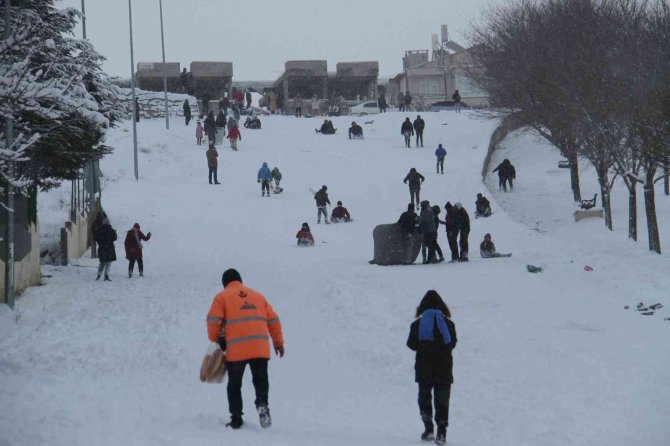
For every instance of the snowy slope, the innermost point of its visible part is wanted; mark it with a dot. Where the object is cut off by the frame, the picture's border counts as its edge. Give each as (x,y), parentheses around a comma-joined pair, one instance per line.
(550,358)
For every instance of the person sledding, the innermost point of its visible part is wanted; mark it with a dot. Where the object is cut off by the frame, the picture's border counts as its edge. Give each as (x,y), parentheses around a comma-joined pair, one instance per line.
(327,128)
(355,131)
(304,236)
(482,207)
(487,249)
(340,214)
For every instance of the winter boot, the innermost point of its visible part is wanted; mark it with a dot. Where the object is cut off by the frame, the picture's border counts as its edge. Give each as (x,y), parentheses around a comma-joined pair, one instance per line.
(264,416)
(428,433)
(235,422)
(97,277)
(441,437)
(130,274)
(107,279)
(141,273)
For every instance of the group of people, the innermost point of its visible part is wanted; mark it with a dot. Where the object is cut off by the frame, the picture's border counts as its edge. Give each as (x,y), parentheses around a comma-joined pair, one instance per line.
(327,128)
(265,177)
(105,236)
(404,101)
(339,214)
(242,324)
(409,129)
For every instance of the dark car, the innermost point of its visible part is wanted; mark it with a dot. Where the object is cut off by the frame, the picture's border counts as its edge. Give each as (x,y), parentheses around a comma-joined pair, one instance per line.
(445,105)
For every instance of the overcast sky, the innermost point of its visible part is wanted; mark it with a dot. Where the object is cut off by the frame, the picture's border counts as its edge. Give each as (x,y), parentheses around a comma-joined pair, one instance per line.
(259,36)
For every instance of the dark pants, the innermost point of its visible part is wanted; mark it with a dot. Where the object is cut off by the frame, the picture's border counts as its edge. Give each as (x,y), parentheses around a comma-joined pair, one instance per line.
(419,136)
(131,265)
(265,186)
(502,183)
(439,394)
(452,238)
(212,171)
(463,242)
(414,193)
(187,119)
(430,240)
(298,111)
(259,375)
(440,165)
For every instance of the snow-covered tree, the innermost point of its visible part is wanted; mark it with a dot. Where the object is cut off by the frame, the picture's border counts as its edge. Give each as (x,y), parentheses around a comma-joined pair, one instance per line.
(59,99)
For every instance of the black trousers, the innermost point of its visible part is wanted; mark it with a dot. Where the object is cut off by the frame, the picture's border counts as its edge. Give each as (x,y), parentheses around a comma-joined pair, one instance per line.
(452,238)
(414,193)
(265,186)
(463,242)
(502,183)
(440,395)
(440,165)
(430,240)
(259,376)
(187,119)
(212,172)
(419,136)
(131,265)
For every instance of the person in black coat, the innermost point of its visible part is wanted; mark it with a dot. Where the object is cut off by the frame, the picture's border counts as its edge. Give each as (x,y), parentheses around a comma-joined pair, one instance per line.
(419,125)
(451,223)
(506,172)
(414,179)
(187,111)
(408,222)
(105,236)
(482,206)
(355,131)
(463,230)
(433,337)
(210,127)
(322,201)
(407,131)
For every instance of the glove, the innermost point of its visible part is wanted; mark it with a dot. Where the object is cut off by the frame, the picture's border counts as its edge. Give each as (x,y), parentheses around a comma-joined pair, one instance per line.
(280,351)
(148,234)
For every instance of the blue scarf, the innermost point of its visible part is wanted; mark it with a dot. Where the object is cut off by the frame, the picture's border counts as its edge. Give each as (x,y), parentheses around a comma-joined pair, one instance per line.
(427,325)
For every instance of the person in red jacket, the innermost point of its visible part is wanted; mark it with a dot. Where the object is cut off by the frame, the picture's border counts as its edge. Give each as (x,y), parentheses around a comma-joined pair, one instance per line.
(247,322)
(304,236)
(340,213)
(133,245)
(233,135)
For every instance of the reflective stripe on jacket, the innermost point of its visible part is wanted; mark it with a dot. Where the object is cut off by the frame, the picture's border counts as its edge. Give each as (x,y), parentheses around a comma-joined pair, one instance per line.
(249,322)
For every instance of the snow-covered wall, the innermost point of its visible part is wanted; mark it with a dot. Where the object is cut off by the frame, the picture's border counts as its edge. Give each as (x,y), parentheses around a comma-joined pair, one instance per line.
(26,272)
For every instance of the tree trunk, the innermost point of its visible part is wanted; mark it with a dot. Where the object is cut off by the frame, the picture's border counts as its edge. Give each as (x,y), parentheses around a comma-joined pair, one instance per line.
(632,210)
(605,200)
(650,208)
(574,177)
(666,180)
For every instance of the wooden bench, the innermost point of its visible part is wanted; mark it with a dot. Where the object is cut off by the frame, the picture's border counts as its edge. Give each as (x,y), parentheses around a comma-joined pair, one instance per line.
(588,204)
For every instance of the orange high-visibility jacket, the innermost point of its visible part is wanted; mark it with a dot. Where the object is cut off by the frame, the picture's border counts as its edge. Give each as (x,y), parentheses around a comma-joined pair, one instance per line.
(248,321)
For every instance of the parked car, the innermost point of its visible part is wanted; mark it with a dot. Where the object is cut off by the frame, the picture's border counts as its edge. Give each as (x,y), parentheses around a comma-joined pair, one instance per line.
(364,108)
(445,105)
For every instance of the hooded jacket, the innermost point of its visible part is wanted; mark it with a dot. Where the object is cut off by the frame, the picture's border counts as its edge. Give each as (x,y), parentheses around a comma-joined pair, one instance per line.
(440,152)
(264,173)
(414,179)
(433,362)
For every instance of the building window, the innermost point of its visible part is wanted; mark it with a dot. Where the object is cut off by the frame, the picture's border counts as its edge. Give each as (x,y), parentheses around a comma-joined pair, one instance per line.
(466,88)
(428,87)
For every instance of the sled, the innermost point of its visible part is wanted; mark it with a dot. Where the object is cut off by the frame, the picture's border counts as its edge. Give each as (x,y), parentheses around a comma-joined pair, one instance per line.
(277,190)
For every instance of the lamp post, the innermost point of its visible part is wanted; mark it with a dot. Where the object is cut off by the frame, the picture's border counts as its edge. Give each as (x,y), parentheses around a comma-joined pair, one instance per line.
(132,86)
(9,191)
(167,116)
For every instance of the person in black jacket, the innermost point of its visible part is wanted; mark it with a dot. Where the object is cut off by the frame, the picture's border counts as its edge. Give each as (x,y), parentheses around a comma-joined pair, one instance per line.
(414,179)
(450,221)
(433,337)
(187,111)
(210,127)
(408,222)
(419,125)
(482,207)
(355,131)
(506,172)
(105,236)
(457,101)
(322,200)
(407,131)
(463,229)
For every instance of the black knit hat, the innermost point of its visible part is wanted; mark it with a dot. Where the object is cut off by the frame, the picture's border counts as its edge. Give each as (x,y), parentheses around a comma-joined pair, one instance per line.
(230,275)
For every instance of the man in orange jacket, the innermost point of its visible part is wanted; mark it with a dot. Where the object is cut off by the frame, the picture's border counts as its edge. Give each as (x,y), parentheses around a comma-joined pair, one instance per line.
(242,322)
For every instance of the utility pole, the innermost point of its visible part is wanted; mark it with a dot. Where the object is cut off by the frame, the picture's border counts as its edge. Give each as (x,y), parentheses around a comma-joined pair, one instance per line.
(167,116)
(132,85)
(83,18)
(9,190)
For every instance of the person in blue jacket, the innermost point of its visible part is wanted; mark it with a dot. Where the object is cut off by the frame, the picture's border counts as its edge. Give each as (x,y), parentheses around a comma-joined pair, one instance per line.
(440,153)
(264,177)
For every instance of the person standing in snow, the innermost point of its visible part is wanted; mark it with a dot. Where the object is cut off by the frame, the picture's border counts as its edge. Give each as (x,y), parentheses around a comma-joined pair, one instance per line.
(233,135)
(463,227)
(297,104)
(212,163)
(187,111)
(133,245)
(419,125)
(408,222)
(440,153)
(264,177)
(401,101)
(247,322)
(322,200)
(438,250)
(408,101)
(304,236)
(210,127)
(414,179)
(247,96)
(105,236)
(198,133)
(381,103)
(433,337)
(451,223)
(457,101)
(407,131)
(506,172)
(220,124)
(428,228)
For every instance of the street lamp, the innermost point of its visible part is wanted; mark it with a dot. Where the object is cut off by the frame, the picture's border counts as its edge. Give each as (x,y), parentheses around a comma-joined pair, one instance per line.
(132,86)
(167,117)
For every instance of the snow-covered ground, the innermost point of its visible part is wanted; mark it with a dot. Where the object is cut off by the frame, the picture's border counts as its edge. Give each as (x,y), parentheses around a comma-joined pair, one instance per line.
(543,359)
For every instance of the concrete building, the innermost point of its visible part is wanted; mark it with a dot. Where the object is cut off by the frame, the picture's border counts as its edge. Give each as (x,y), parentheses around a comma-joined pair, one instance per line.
(150,76)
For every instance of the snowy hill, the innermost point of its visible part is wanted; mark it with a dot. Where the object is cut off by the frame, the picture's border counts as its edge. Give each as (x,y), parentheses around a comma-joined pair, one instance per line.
(543,359)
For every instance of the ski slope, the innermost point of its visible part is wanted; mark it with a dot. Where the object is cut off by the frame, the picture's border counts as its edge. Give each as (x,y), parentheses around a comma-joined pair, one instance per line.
(548,359)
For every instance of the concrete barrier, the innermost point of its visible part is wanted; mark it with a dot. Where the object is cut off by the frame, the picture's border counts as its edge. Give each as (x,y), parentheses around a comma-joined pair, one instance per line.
(77,236)
(26,271)
(591,213)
